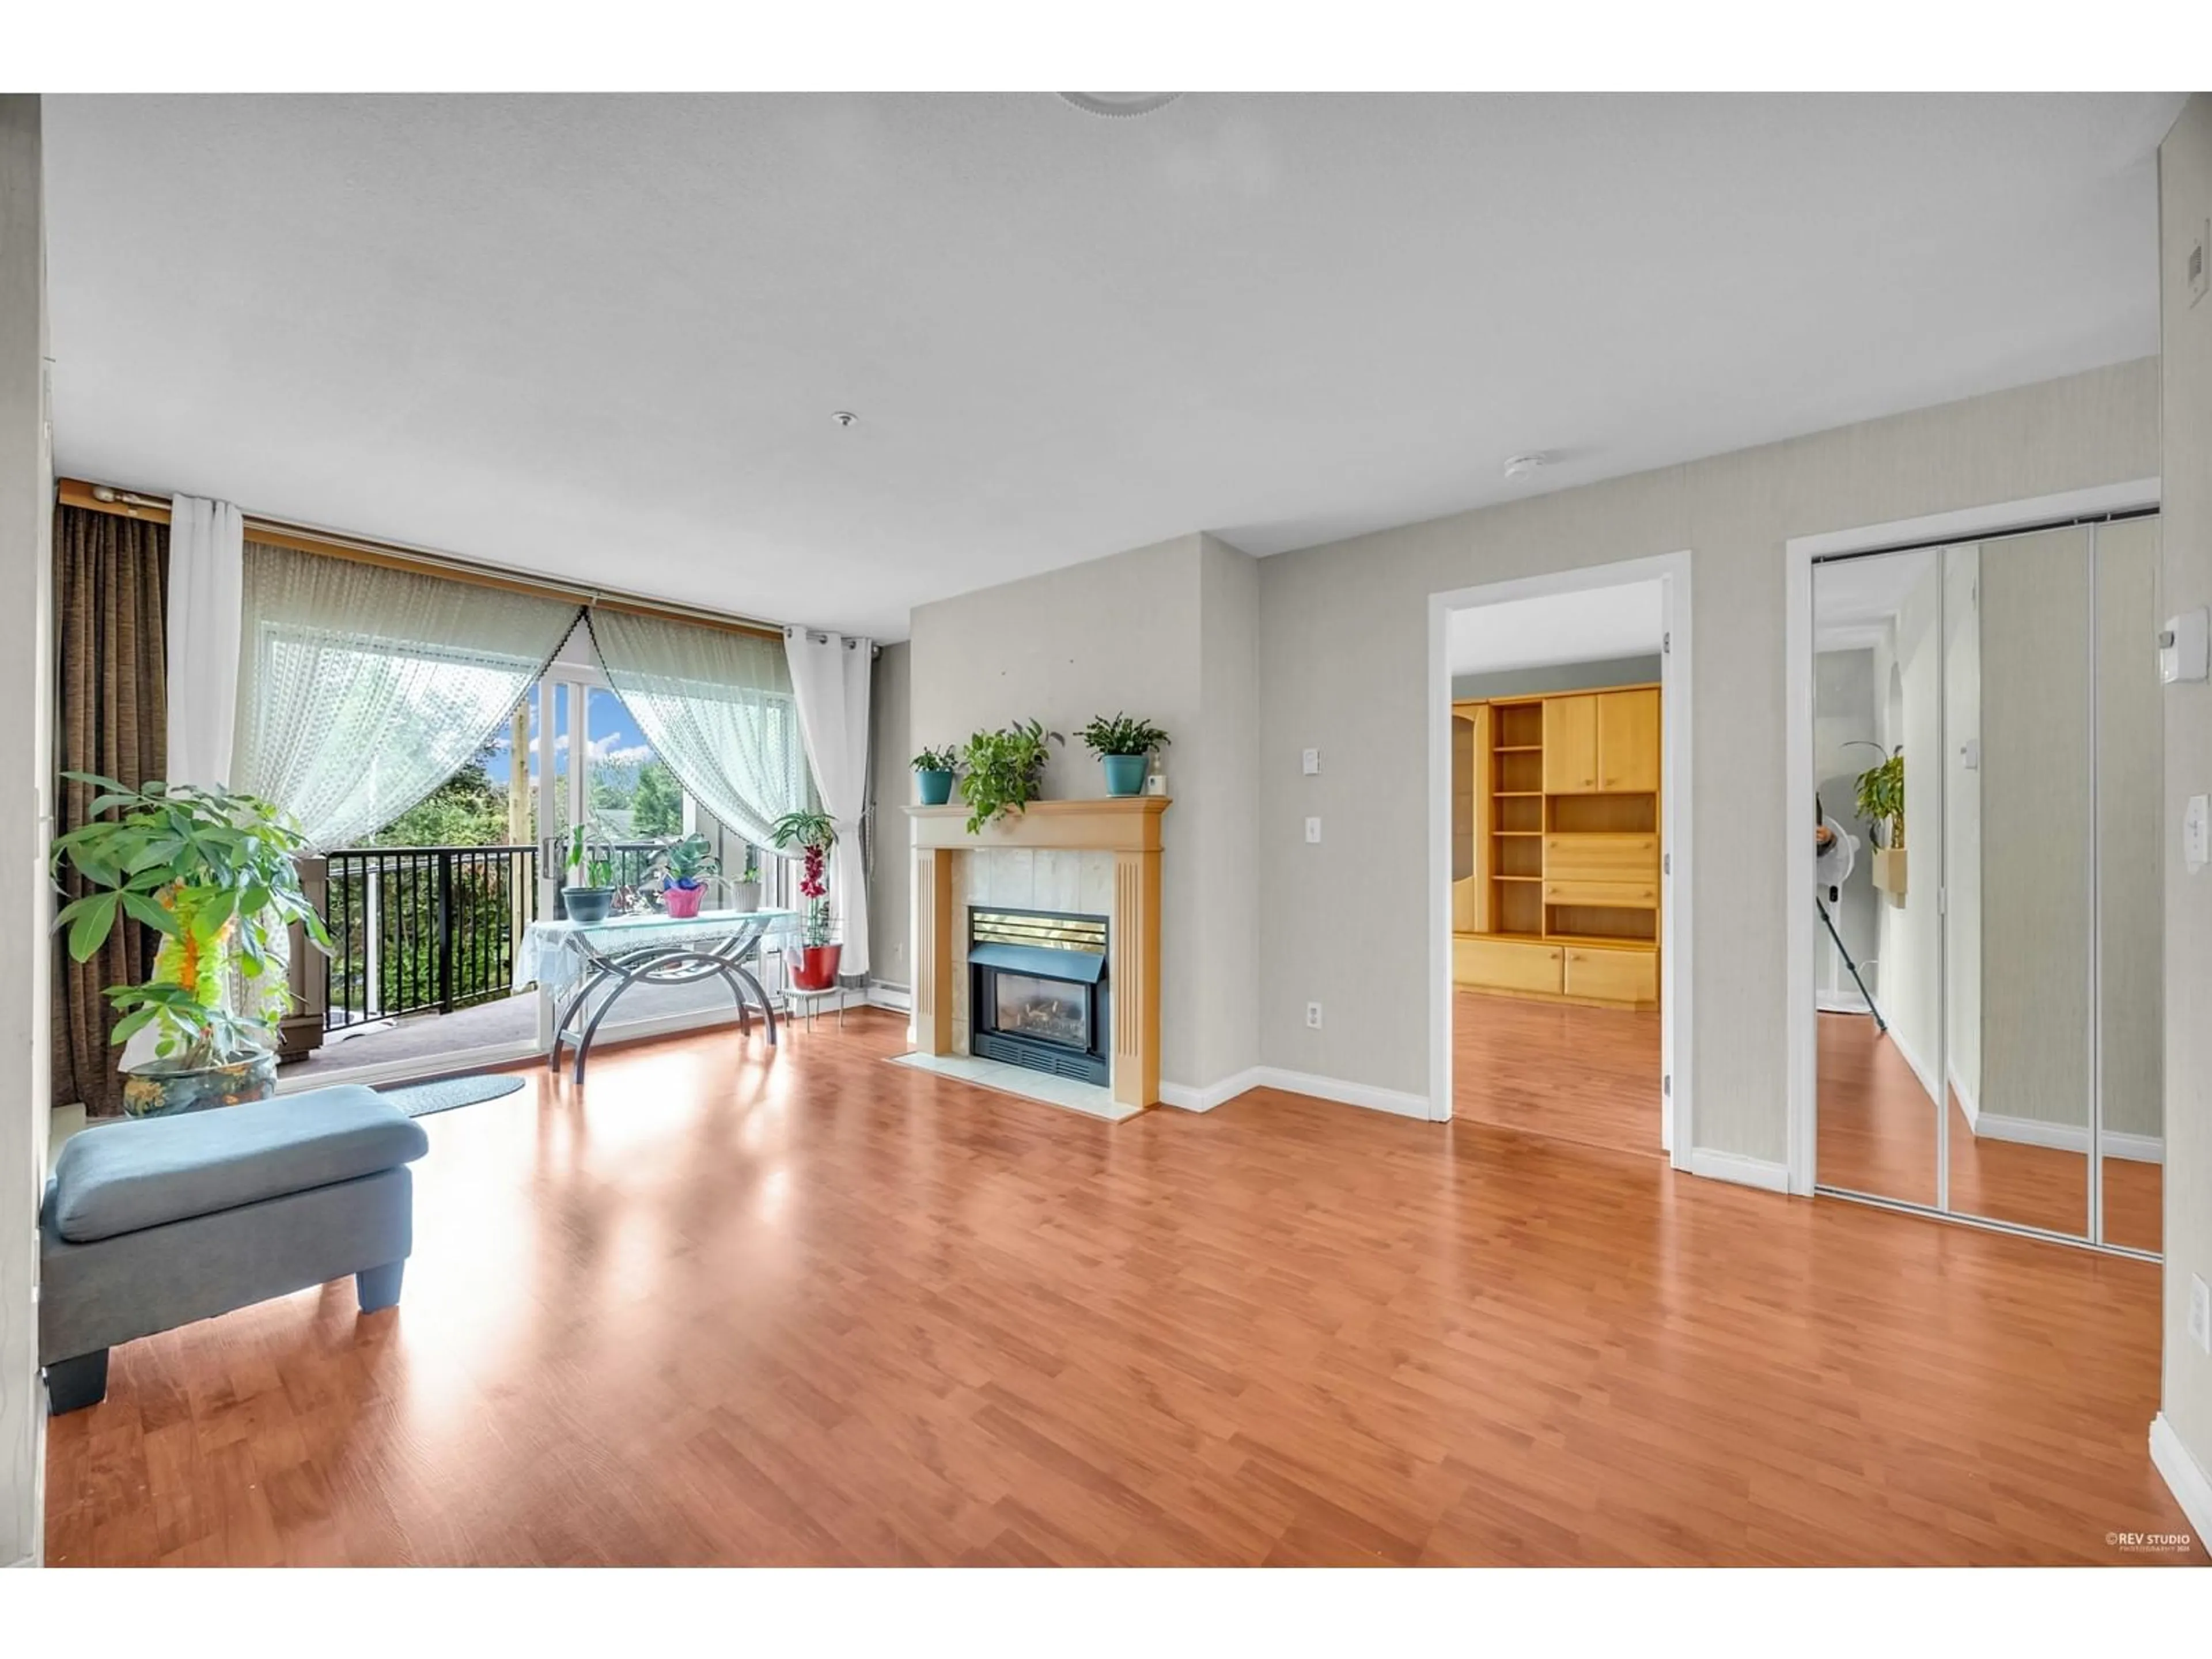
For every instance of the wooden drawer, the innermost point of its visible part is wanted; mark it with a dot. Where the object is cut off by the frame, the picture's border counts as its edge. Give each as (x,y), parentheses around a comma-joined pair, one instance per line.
(1613,976)
(1506,964)
(1613,895)
(1600,858)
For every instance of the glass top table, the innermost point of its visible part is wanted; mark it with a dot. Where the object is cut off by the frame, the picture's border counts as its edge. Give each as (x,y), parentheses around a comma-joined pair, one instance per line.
(585,969)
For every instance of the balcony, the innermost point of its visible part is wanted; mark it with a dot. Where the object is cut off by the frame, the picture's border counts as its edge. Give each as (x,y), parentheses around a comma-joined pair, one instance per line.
(425,941)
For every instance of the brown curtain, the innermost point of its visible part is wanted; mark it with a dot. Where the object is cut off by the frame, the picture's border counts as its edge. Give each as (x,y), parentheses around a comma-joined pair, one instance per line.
(111,601)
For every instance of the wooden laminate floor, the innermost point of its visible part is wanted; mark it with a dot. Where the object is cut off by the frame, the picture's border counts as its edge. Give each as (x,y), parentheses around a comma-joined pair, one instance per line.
(1877,1134)
(1555,1068)
(721,1307)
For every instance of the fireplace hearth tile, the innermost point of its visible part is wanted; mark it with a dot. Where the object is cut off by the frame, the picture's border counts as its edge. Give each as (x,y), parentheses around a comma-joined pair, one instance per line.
(1094,1100)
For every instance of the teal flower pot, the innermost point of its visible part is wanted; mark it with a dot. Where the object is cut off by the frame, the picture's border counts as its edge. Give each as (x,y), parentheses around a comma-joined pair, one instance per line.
(936,787)
(1125,774)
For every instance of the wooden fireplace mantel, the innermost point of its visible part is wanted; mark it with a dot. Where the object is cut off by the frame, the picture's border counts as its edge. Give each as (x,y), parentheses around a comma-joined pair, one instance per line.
(1128,826)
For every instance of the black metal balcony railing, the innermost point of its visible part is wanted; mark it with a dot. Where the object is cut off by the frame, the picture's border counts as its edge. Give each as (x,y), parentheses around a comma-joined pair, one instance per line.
(421,929)
(417,929)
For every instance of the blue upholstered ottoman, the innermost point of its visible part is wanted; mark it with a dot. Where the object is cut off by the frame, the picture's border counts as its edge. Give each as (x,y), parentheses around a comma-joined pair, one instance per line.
(154,1224)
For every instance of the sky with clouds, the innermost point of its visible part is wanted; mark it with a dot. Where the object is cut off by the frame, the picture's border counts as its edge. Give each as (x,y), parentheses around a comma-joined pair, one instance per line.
(613,739)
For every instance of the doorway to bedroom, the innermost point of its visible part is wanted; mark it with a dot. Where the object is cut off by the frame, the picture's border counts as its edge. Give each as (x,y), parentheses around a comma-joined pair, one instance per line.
(1561,704)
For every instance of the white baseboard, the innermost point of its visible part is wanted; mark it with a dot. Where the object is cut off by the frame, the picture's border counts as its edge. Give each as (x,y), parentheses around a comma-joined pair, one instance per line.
(1393,1101)
(1840,1002)
(1921,1069)
(899,999)
(2184,1475)
(1758,1172)
(2067,1138)
(1187,1098)
(1968,1105)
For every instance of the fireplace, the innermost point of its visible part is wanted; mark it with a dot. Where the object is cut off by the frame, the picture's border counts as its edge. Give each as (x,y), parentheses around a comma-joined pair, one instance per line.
(1038,992)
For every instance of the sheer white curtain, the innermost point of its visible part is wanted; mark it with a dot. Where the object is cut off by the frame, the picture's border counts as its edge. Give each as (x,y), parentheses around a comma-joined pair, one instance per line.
(716,705)
(362,689)
(206,552)
(829,679)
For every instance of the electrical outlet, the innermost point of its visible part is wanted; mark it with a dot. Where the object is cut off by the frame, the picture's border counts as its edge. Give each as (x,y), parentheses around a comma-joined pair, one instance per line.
(2200,1307)
(1313,1023)
(1313,831)
(1310,761)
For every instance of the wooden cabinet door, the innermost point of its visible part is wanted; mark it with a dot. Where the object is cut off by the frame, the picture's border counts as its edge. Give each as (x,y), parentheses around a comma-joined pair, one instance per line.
(1570,747)
(1629,976)
(1627,742)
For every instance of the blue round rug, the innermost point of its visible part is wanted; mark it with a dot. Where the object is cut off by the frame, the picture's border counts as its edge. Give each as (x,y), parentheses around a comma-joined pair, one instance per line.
(444,1093)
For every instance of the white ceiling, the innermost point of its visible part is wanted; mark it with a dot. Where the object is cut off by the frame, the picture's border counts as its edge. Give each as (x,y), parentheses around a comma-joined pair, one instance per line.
(1597,625)
(603,338)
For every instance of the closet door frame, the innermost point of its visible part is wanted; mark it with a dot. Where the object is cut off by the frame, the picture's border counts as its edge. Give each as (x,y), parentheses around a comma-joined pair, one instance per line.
(1800,554)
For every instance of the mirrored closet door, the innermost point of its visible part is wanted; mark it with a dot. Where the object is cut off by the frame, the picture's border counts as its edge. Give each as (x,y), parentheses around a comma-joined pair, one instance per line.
(1988,956)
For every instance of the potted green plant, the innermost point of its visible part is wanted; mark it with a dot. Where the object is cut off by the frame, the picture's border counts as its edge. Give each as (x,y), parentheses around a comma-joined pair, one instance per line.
(811,832)
(1005,771)
(933,772)
(683,866)
(589,893)
(1124,748)
(746,891)
(1880,802)
(212,873)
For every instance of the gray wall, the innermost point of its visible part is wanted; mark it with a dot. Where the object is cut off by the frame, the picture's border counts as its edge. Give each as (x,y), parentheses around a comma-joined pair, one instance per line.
(2184,201)
(26,762)
(2131,828)
(2035,816)
(891,881)
(1344,658)
(1168,632)
(1558,677)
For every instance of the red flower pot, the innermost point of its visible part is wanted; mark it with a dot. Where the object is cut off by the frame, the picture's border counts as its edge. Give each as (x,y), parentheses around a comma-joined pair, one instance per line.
(682,901)
(815,967)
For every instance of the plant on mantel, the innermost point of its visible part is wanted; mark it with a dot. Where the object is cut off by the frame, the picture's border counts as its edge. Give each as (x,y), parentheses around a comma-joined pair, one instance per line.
(1005,771)
(1124,747)
(933,769)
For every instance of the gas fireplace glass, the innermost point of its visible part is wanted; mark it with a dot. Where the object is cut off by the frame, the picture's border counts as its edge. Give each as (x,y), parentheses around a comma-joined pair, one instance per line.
(1050,1009)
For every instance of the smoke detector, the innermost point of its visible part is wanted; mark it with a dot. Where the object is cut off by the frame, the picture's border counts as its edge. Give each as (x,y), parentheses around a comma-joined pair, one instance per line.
(1519,468)
(845,418)
(1119,106)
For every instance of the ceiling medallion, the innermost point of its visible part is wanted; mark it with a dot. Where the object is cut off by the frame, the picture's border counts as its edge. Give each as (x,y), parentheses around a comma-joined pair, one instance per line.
(1117,106)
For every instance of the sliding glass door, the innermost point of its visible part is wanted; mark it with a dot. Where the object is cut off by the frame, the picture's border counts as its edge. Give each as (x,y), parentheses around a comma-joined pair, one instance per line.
(591,765)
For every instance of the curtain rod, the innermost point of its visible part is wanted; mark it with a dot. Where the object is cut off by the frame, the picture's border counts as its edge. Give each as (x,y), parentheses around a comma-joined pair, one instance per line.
(392,556)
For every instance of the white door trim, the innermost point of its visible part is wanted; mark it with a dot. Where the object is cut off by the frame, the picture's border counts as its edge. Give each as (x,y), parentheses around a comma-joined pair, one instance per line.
(1677,938)
(1799,553)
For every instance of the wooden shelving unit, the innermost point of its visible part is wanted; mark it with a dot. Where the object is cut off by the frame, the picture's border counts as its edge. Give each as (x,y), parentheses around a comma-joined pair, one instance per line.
(1561,893)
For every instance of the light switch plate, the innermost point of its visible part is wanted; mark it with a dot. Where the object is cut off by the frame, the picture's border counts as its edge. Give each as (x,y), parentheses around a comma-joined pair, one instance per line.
(2198,262)
(1313,831)
(2200,1313)
(1309,762)
(2196,834)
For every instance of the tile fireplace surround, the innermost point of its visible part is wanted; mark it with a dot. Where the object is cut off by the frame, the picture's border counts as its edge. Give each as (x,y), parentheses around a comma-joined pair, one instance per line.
(1096,857)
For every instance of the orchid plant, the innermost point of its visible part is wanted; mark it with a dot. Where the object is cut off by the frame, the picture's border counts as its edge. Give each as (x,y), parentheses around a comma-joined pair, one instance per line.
(814,834)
